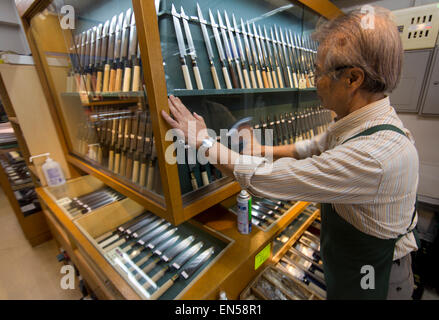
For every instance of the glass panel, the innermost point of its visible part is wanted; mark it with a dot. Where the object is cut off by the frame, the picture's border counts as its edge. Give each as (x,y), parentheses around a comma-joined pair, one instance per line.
(228,60)
(96,71)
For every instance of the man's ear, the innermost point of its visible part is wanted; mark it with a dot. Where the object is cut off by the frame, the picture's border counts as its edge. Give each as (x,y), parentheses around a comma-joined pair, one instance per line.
(355,77)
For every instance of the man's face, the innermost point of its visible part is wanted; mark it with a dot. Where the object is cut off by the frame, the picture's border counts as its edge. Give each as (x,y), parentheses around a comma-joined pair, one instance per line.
(332,92)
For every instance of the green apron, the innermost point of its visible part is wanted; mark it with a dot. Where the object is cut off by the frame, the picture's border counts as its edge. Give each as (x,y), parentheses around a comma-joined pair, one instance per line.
(346,250)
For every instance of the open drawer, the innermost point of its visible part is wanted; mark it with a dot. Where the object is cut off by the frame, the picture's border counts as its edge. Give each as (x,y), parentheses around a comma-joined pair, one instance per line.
(166,263)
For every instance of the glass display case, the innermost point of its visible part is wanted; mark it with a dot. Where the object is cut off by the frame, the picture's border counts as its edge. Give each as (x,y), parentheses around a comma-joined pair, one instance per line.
(110,76)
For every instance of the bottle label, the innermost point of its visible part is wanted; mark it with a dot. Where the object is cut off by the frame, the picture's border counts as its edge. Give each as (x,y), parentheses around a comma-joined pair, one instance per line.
(54,176)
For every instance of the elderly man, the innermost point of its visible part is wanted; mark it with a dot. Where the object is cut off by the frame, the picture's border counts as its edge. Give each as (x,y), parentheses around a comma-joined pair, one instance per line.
(364,169)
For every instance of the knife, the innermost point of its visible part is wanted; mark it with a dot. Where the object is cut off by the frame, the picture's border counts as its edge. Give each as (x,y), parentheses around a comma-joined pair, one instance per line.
(278,59)
(220,51)
(132,55)
(234,50)
(229,55)
(251,64)
(248,85)
(120,77)
(110,56)
(210,54)
(181,48)
(191,48)
(255,57)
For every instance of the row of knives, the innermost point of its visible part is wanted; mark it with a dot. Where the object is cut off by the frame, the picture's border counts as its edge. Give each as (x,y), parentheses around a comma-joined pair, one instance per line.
(106,57)
(17,171)
(276,59)
(288,128)
(90,201)
(297,276)
(303,261)
(121,139)
(153,250)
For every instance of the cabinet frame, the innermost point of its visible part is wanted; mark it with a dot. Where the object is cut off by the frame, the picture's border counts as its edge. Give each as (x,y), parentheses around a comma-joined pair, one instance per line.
(176,207)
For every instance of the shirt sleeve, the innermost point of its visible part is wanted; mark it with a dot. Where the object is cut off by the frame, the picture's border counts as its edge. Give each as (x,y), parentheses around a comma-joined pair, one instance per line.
(311,147)
(345,174)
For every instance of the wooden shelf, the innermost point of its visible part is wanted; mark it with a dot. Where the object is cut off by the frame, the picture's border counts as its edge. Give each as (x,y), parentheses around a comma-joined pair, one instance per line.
(105,98)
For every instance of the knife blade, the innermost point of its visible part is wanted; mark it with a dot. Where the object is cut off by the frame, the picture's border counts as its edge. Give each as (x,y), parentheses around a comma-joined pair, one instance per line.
(195,264)
(181,48)
(287,63)
(191,47)
(260,39)
(110,55)
(184,257)
(130,63)
(258,67)
(271,58)
(228,51)
(278,60)
(169,254)
(209,50)
(220,51)
(234,51)
(248,85)
(251,63)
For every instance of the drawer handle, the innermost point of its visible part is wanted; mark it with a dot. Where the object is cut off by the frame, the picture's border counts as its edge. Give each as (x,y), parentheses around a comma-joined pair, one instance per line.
(435,83)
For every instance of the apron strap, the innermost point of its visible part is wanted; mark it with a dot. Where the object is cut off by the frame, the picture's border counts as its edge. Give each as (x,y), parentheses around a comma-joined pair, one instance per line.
(375,129)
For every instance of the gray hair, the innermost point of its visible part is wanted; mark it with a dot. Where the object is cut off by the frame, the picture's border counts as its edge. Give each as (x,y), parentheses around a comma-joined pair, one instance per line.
(377,51)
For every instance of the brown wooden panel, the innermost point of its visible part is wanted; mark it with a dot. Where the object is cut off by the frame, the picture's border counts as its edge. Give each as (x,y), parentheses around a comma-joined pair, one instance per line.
(323,7)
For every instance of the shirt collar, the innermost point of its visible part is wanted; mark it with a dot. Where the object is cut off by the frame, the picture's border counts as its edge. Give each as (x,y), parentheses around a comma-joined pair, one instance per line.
(358,118)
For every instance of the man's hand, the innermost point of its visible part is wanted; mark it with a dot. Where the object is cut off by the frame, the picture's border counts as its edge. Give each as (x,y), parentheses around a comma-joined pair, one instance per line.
(191,124)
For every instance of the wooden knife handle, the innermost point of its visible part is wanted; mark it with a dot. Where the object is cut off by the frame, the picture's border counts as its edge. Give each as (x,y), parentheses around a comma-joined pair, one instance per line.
(118,85)
(205,178)
(227,78)
(240,77)
(259,77)
(142,178)
(160,291)
(111,160)
(150,181)
(99,81)
(88,82)
(289,77)
(135,177)
(100,154)
(233,76)
(126,80)
(248,85)
(270,80)
(112,84)
(123,164)
(253,78)
(198,78)
(136,79)
(194,182)
(280,78)
(295,80)
(129,170)
(265,79)
(187,77)
(116,163)
(215,77)
(275,83)
(106,80)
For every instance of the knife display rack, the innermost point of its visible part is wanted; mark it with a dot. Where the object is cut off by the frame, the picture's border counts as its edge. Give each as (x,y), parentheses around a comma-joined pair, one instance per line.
(124,56)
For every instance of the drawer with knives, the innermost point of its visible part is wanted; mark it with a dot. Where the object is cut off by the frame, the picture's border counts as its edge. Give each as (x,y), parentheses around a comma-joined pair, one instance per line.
(158,260)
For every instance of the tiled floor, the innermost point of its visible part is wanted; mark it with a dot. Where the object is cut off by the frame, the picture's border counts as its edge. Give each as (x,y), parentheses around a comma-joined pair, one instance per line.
(26,272)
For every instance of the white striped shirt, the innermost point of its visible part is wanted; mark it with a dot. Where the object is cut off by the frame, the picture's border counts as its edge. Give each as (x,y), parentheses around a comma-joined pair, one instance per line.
(371,180)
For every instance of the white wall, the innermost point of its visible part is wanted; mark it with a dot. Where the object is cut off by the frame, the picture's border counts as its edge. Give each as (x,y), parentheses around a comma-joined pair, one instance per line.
(12,37)
(424,129)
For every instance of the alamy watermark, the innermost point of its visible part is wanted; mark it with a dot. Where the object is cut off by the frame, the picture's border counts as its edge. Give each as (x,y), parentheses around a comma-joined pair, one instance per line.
(68,280)
(368,20)
(368,280)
